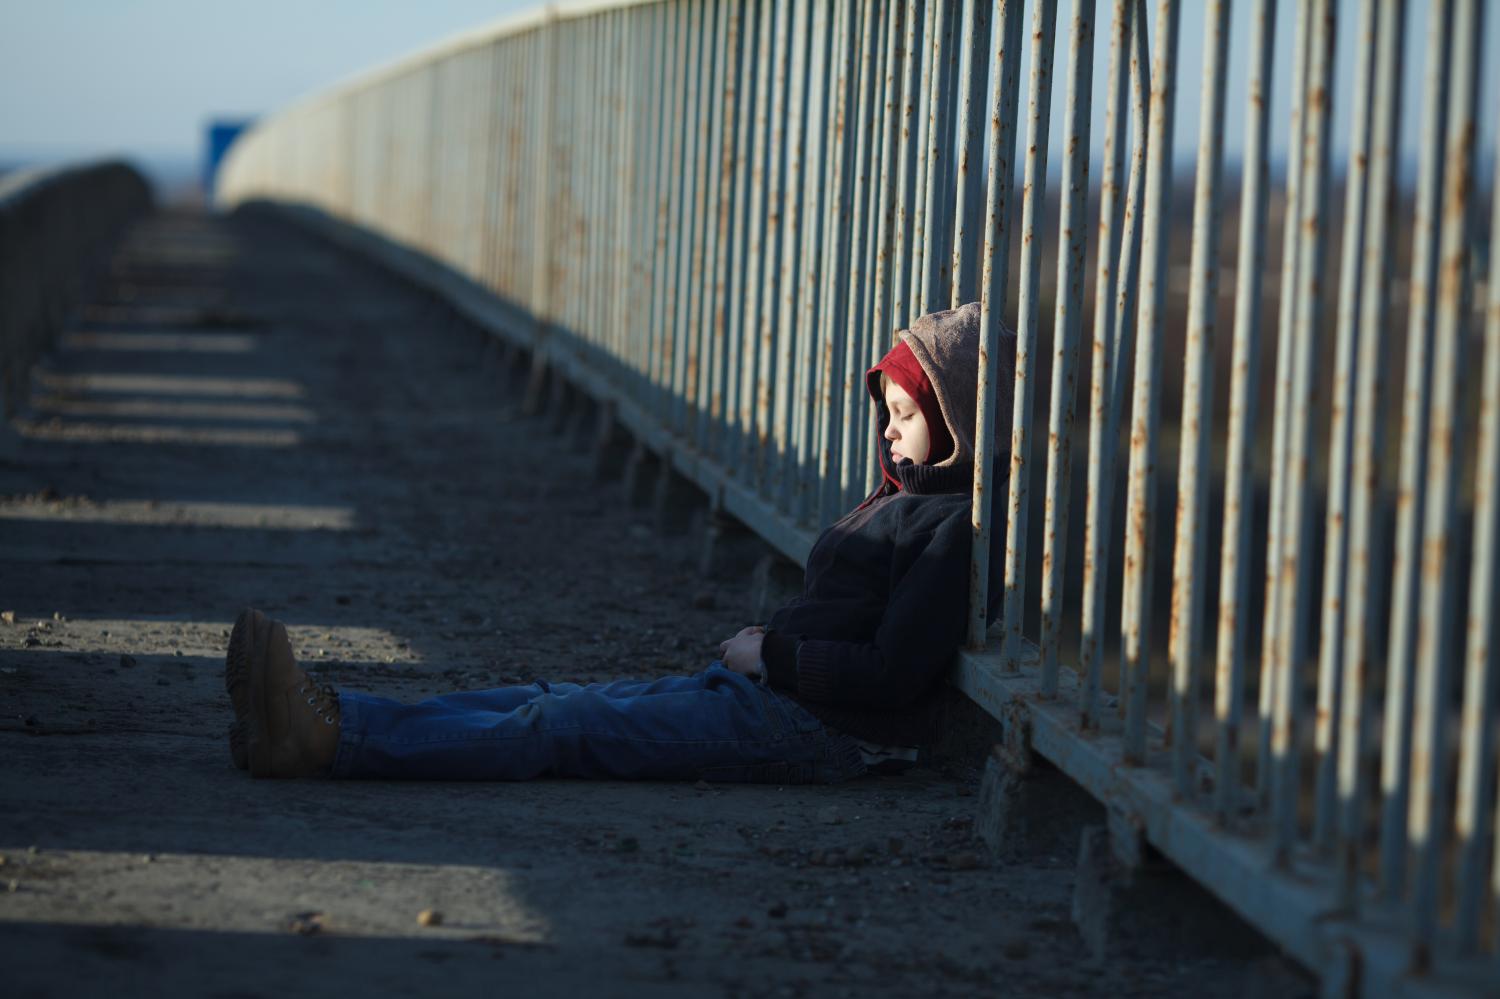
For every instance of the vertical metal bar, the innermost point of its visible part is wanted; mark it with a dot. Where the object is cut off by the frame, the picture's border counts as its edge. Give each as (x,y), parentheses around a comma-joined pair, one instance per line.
(439,234)
(614,192)
(787,333)
(659,349)
(1291,211)
(901,236)
(536,256)
(838,273)
(586,276)
(496,172)
(713,208)
(1395,771)
(511,119)
(971,76)
(643,238)
(628,54)
(1188,568)
(867,330)
(1368,446)
(1066,325)
(559,260)
(585,96)
(555,311)
(929,230)
(891,157)
(1128,285)
(1476,761)
(769,371)
(690,232)
(485,157)
(742,280)
(513,267)
(751,372)
(942,226)
(833,215)
(1437,632)
(801,464)
(1028,314)
(714,401)
(654,196)
(995,274)
(642,322)
(866,210)
(926,107)
(542,174)
(596,92)
(1239,481)
(676,125)
(575,120)
(525,56)
(605,208)
(1293,589)
(1111,221)
(471,147)
(854,317)
(1146,406)
(1336,540)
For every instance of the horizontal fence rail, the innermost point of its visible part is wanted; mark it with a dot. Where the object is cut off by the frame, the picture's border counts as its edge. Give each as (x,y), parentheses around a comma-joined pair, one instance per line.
(1261,628)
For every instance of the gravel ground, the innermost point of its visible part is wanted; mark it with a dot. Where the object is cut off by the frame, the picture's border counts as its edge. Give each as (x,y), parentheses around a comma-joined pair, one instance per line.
(241,415)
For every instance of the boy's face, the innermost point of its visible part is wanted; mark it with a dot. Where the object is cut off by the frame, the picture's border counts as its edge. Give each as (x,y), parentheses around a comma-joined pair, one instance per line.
(907,430)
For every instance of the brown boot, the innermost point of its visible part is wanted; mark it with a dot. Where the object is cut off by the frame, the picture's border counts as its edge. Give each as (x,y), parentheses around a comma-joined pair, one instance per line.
(237,683)
(290,725)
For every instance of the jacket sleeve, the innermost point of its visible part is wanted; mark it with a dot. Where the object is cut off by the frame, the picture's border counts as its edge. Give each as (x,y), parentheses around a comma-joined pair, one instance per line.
(924,623)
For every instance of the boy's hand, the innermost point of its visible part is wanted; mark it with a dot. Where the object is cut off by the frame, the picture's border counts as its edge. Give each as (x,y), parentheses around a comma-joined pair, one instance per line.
(742,652)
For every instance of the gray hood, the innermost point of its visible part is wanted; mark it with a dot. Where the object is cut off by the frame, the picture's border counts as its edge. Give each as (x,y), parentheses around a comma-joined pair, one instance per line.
(946,345)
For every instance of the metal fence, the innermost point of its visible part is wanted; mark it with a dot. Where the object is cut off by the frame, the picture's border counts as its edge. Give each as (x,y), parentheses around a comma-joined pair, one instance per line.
(712,215)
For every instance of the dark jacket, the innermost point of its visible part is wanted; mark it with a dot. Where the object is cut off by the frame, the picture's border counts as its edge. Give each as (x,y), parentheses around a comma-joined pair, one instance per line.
(885,599)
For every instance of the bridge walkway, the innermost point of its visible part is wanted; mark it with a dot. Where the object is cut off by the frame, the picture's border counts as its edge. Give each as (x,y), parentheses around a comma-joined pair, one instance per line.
(242,415)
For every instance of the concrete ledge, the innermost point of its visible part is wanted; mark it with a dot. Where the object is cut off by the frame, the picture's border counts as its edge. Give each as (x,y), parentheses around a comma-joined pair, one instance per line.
(1292,905)
(54,224)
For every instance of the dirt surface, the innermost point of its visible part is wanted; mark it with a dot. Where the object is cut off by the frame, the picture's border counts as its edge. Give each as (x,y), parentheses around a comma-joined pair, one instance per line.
(242,415)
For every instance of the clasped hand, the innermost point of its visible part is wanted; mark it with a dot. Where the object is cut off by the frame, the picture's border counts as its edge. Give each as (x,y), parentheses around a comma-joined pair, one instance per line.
(742,652)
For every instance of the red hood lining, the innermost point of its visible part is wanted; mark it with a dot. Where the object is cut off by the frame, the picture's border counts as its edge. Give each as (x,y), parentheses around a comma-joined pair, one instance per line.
(903,368)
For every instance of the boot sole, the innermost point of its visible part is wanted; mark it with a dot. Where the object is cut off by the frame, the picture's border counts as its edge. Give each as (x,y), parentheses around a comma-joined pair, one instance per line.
(236,675)
(258,748)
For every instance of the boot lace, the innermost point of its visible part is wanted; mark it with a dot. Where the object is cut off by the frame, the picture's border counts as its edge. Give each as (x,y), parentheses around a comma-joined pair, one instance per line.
(323,699)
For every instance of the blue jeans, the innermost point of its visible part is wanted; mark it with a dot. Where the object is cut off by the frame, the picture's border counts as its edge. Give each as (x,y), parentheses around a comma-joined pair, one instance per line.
(716,725)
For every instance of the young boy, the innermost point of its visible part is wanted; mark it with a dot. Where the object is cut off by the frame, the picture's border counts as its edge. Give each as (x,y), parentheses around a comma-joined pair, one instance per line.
(838,682)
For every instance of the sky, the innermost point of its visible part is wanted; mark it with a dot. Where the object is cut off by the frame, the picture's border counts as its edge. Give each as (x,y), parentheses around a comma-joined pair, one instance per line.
(142,77)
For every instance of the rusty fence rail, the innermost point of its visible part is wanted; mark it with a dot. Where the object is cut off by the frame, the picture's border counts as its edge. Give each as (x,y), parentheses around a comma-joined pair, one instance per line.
(712,215)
